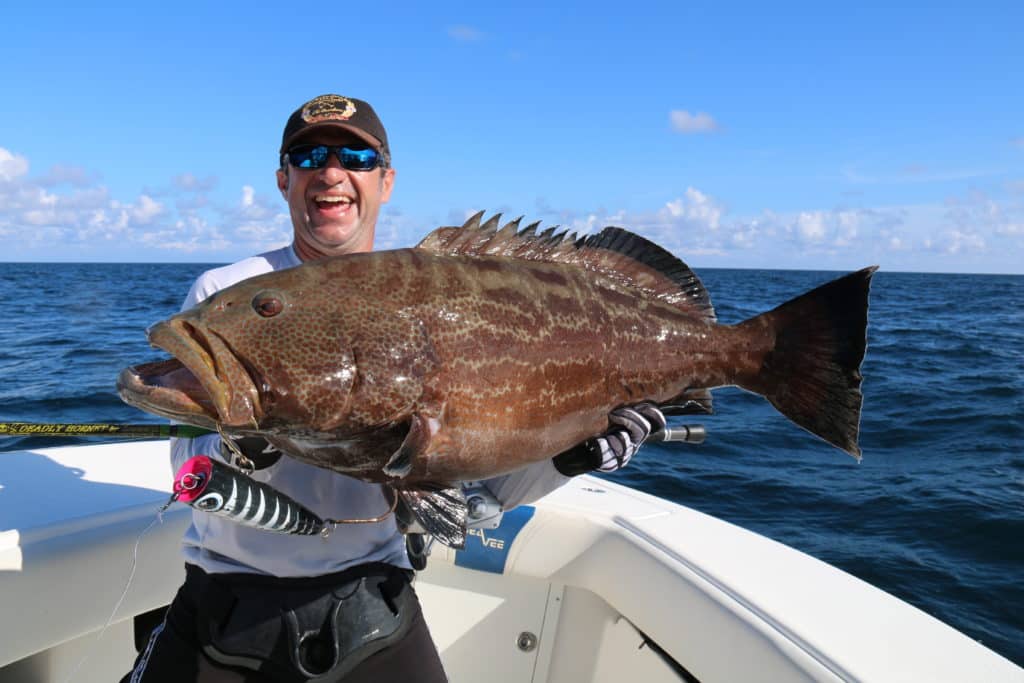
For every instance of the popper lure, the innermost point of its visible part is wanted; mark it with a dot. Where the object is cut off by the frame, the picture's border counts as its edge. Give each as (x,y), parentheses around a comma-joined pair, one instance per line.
(211,486)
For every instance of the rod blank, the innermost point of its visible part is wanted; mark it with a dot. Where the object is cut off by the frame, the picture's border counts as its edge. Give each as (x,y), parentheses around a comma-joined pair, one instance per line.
(94,429)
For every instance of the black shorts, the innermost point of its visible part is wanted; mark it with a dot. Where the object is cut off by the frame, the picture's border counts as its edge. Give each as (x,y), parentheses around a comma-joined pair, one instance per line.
(362,624)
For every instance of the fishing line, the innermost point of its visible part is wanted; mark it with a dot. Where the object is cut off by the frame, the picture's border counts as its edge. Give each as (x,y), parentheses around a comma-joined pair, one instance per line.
(124,594)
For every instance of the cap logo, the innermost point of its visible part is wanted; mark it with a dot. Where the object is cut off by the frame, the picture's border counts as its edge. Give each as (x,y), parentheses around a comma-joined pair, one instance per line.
(328,108)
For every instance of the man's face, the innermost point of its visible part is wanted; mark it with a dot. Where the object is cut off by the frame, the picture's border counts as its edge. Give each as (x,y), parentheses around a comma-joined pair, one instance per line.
(334,211)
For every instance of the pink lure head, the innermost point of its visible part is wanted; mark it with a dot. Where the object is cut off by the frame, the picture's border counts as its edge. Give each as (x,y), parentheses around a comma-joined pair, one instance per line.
(192,478)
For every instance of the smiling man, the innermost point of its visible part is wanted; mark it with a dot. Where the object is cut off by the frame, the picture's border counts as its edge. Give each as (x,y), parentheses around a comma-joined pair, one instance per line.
(258,606)
(334,210)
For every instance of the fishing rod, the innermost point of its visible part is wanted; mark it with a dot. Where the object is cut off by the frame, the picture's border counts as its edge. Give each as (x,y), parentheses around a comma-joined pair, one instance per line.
(208,485)
(93,429)
(683,433)
(211,486)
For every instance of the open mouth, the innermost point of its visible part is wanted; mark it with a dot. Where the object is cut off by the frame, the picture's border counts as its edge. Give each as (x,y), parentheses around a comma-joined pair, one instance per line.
(204,384)
(332,204)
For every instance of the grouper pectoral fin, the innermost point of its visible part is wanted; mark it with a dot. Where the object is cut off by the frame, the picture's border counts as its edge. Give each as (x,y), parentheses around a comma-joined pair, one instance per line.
(439,508)
(441,513)
(421,430)
(690,402)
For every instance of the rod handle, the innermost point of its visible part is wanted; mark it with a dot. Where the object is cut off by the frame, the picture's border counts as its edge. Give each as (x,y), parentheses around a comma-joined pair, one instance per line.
(683,433)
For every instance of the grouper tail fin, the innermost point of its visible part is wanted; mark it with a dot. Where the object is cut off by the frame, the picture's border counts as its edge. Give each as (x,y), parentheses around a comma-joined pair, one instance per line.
(812,374)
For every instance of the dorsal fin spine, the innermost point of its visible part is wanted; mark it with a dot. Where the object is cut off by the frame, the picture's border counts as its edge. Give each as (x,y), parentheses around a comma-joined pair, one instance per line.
(474,221)
(615,253)
(492,223)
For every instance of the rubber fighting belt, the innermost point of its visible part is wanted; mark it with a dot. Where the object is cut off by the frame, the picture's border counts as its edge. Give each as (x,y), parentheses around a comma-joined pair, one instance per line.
(298,630)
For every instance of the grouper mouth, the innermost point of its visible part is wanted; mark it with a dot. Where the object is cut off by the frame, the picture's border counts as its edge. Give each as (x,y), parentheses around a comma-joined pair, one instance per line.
(203,384)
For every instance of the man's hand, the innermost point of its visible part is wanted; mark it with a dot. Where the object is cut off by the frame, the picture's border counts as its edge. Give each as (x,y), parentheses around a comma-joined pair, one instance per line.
(255,448)
(630,427)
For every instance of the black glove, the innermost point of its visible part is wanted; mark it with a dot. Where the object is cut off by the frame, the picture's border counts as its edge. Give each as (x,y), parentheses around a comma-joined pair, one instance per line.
(257,449)
(630,427)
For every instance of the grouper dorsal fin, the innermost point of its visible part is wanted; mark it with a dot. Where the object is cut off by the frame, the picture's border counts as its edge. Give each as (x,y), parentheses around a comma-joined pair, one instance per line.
(615,253)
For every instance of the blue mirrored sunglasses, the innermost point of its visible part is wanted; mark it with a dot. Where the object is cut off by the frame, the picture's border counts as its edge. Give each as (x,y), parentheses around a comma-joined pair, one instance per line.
(352,157)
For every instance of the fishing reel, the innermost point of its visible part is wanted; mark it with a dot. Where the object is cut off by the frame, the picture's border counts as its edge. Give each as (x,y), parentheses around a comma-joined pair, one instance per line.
(483,511)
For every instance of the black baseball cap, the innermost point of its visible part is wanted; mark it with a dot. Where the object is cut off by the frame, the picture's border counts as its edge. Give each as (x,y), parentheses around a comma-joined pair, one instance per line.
(336,111)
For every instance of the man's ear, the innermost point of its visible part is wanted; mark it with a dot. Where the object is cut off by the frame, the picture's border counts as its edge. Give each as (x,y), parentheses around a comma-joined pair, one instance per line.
(387,183)
(282,183)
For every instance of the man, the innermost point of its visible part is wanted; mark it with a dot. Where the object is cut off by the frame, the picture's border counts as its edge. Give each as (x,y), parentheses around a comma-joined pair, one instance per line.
(258,606)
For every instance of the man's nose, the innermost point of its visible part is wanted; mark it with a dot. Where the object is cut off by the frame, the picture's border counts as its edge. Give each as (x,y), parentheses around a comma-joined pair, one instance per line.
(333,172)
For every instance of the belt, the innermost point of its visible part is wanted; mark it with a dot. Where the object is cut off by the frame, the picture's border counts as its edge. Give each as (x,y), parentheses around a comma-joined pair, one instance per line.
(302,629)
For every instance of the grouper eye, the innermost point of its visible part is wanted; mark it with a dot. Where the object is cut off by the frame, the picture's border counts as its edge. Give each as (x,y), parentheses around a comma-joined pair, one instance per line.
(267,304)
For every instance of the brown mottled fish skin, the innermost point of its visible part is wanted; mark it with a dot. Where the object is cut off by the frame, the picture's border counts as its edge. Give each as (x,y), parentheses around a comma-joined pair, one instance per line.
(462,366)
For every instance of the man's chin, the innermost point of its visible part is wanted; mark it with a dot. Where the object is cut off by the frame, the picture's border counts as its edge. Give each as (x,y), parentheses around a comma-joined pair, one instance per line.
(318,243)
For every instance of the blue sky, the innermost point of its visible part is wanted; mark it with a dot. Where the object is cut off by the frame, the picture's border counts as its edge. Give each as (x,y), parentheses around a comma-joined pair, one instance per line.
(776,135)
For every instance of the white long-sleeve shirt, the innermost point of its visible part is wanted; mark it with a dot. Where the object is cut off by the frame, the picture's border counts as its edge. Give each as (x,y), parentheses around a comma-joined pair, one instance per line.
(220,545)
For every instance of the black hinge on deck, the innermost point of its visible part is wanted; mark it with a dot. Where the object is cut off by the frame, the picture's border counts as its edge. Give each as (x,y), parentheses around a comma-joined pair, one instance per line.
(667,658)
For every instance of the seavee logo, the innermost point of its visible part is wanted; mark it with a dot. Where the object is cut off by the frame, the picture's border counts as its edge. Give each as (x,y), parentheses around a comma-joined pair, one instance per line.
(495,543)
(487,549)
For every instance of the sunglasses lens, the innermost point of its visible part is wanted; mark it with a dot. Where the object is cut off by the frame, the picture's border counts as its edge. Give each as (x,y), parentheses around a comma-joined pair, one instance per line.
(308,156)
(358,159)
(351,158)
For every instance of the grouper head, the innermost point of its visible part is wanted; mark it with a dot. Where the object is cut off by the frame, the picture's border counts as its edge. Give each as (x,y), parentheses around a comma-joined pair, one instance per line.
(259,356)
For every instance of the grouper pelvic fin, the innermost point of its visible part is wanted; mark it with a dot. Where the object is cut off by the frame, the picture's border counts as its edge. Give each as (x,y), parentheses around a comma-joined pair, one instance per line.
(619,255)
(442,513)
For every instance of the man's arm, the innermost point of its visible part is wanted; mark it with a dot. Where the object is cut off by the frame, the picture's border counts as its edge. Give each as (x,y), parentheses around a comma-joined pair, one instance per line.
(183,449)
(629,428)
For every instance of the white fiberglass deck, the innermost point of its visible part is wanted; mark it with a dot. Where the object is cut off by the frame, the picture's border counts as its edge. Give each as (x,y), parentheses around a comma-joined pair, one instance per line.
(595,569)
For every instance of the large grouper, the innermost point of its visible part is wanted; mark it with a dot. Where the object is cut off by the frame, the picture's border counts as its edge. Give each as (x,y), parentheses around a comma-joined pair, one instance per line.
(484,349)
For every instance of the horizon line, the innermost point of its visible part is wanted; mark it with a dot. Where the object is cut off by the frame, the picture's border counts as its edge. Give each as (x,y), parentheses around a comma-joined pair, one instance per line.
(217,264)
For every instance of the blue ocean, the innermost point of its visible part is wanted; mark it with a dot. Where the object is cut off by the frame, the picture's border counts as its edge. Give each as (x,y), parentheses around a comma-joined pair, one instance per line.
(933,514)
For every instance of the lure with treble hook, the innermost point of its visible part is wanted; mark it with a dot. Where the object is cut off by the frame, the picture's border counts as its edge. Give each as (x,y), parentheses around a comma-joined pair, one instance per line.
(211,486)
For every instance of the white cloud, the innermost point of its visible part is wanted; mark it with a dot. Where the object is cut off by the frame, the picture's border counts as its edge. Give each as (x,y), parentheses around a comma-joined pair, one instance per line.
(464,33)
(976,214)
(65,174)
(12,166)
(190,183)
(695,209)
(745,236)
(810,226)
(915,174)
(68,209)
(698,226)
(257,222)
(832,228)
(146,210)
(954,242)
(685,122)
